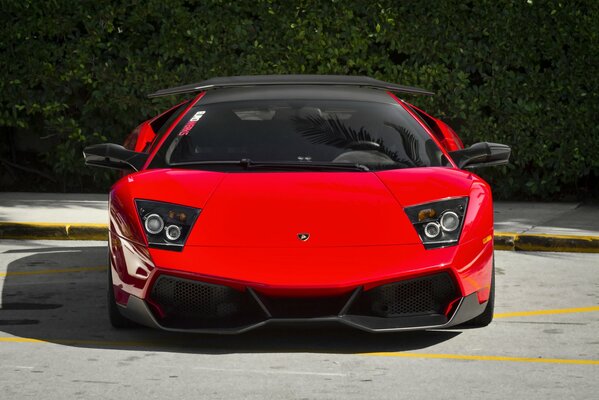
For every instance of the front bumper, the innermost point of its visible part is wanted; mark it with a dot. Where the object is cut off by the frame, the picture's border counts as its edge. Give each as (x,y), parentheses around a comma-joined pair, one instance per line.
(426,302)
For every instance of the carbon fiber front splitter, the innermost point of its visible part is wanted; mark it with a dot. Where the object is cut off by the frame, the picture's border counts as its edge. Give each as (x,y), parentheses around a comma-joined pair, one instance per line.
(467,308)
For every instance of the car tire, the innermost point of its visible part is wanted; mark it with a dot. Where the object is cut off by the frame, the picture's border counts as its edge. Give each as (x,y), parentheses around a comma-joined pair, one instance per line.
(117,320)
(486,317)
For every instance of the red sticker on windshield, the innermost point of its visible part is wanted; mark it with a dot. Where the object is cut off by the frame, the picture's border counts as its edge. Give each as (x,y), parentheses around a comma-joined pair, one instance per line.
(189,125)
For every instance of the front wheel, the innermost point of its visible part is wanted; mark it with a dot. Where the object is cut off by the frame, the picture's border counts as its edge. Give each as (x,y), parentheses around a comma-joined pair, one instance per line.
(487,316)
(114,315)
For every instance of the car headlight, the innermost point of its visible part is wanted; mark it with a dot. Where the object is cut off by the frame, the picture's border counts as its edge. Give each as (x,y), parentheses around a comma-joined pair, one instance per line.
(166,225)
(439,224)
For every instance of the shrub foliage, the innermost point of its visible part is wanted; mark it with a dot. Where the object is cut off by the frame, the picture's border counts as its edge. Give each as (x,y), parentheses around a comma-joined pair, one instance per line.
(523,73)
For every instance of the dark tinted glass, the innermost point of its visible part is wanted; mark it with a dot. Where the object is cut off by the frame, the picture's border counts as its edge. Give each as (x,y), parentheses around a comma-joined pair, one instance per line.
(378,135)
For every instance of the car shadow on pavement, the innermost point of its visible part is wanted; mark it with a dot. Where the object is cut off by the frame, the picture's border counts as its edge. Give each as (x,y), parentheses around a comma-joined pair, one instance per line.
(41,301)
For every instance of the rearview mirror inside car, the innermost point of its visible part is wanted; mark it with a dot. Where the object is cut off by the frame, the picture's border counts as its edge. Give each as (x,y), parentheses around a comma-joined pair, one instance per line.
(482,154)
(114,156)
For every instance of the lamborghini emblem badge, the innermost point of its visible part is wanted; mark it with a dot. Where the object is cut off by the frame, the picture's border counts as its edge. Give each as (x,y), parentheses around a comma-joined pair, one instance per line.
(303,236)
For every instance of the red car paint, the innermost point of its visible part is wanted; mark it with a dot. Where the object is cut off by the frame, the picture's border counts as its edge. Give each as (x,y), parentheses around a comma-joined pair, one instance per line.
(249,221)
(245,236)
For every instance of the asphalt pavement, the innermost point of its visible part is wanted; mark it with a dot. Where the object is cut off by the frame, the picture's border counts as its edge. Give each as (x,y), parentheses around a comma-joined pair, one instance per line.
(56,342)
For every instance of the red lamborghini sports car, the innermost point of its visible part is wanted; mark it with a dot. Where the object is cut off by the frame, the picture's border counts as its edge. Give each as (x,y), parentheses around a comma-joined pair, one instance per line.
(298,199)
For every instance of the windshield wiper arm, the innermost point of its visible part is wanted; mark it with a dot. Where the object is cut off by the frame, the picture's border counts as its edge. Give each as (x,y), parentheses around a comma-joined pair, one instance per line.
(205,162)
(247,163)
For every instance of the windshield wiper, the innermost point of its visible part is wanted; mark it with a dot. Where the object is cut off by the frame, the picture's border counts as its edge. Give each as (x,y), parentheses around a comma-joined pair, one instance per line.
(215,162)
(246,163)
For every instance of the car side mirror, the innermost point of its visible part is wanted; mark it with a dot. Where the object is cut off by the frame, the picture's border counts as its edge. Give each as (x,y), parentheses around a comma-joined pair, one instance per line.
(114,156)
(482,154)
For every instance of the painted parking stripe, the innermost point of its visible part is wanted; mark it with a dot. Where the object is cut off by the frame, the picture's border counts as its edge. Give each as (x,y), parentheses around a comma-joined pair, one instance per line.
(78,342)
(485,358)
(546,312)
(377,354)
(51,271)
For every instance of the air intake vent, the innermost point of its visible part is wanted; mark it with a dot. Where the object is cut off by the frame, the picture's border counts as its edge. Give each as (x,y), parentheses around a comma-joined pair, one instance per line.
(304,307)
(198,304)
(421,296)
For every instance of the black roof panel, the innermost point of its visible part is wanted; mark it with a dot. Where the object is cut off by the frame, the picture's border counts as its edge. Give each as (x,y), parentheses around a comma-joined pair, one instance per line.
(289,80)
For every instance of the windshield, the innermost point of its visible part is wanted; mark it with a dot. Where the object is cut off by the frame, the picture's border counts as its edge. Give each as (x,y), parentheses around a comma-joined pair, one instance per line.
(309,133)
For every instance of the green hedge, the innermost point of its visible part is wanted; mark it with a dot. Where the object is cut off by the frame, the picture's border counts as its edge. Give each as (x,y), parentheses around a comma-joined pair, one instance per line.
(520,72)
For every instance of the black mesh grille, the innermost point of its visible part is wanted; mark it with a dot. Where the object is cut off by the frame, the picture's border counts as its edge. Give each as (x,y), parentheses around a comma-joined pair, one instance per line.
(190,304)
(198,304)
(420,296)
(195,298)
(304,307)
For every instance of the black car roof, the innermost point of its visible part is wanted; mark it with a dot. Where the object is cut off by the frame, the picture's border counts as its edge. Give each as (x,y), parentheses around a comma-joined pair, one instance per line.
(289,80)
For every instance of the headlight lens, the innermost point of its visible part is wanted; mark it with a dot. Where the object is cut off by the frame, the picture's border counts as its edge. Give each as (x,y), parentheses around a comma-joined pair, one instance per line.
(432,230)
(439,224)
(173,232)
(450,221)
(154,224)
(166,225)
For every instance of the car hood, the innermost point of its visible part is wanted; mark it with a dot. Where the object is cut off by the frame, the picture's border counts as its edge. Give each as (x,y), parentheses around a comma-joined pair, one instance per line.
(271,209)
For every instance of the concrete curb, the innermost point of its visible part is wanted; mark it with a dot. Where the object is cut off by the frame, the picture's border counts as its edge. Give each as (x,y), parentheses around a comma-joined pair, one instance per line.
(502,240)
(546,242)
(52,231)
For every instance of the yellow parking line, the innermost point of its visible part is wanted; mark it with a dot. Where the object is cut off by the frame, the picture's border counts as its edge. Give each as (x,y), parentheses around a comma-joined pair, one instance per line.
(20,340)
(546,312)
(485,358)
(84,342)
(52,271)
